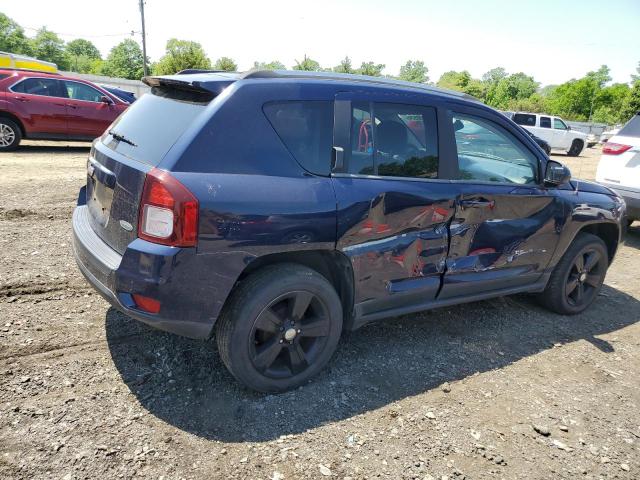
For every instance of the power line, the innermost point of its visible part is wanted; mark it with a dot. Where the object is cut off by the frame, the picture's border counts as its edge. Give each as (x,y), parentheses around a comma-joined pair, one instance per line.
(130,33)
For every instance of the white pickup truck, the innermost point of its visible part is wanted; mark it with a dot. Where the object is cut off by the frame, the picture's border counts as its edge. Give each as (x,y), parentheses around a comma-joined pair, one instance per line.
(553,130)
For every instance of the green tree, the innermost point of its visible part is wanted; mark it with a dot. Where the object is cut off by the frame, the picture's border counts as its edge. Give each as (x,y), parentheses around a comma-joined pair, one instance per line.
(632,103)
(345,66)
(12,37)
(179,55)
(273,65)
(414,71)
(226,64)
(370,68)
(47,46)
(610,102)
(83,56)
(454,80)
(307,64)
(515,87)
(125,60)
(494,75)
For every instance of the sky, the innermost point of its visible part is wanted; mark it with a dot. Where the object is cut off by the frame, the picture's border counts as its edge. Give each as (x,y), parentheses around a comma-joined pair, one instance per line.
(552,40)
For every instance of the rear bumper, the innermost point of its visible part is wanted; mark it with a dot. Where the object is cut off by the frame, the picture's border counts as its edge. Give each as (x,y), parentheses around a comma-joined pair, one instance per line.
(152,270)
(630,196)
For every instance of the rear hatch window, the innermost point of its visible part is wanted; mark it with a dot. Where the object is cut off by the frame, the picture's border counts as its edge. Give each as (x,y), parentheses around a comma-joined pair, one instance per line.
(150,126)
(632,128)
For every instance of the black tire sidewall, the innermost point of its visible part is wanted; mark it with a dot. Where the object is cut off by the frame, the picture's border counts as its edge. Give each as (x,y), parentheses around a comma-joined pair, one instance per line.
(250,302)
(17,132)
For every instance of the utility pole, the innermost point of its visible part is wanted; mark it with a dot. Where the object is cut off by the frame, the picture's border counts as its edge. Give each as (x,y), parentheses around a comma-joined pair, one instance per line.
(144,41)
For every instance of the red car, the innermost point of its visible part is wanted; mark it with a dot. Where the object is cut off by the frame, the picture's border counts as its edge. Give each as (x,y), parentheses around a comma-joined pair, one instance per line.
(46,106)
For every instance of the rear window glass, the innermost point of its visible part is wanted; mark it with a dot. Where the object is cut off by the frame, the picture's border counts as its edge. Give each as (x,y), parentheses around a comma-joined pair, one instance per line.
(151,125)
(632,128)
(525,119)
(306,129)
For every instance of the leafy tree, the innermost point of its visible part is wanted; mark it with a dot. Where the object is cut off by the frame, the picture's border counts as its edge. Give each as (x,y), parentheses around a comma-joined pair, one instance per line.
(414,71)
(494,75)
(125,60)
(12,37)
(46,45)
(273,65)
(454,80)
(610,102)
(226,64)
(632,103)
(81,47)
(371,69)
(517,86)
(307,64)
(181,54)
(345,66)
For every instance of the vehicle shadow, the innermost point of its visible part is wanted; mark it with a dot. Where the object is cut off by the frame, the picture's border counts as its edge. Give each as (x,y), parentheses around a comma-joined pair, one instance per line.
(184,382)
(61,149)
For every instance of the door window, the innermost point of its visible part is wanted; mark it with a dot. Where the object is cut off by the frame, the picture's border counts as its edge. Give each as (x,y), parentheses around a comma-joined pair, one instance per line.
(80,91)
(525,119)
(559,124)
(397,141)
(306,129)
(545,122)
(46,87)
(486,152)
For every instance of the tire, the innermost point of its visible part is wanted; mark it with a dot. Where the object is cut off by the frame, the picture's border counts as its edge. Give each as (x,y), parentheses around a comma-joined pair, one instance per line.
(280,327)
(10,135)
(576,148)
(577,278)
(547,150)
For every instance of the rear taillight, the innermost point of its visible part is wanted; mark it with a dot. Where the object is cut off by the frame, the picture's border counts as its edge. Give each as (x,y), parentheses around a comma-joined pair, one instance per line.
(168,211)
(615,148)
(147,304)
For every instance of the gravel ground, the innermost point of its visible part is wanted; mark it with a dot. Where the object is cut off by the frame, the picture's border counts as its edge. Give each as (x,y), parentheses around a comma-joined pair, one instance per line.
(495,389)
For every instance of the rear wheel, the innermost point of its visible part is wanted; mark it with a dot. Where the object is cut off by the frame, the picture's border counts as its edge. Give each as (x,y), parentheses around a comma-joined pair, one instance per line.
(578,277)
(10,135)
(280,328)
(576,148)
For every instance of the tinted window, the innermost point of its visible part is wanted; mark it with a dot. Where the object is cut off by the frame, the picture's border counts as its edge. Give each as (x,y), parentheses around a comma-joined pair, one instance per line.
(545,122)
(39,86)
(632,128)
(402,141)
(559,124)
(155,122)
(486,152)
(525,119)
(3,75)
(80,91)
(306,128)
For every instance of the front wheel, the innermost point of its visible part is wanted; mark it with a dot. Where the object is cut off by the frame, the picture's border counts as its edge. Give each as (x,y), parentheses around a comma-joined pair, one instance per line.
(576,148)
(10,135)
(280,327)
(578,276)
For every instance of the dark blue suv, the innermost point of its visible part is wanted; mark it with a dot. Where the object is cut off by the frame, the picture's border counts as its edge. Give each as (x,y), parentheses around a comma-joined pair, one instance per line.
(273,210)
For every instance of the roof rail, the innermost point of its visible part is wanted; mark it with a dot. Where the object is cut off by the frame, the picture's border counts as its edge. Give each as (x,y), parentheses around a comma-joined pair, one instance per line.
(188,71)
(347,77)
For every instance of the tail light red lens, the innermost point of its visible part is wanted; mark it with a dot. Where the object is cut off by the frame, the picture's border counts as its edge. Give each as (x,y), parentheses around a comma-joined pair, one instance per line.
(168,211)
(615,148)
(146,304)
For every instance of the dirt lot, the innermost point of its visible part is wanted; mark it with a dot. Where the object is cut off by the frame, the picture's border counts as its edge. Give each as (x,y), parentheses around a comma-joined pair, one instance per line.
(497,389)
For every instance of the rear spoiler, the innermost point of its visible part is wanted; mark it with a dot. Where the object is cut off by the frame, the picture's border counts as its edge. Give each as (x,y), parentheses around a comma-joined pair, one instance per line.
(210,84)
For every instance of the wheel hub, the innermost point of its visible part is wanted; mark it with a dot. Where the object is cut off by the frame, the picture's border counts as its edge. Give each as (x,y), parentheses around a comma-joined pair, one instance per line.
(290,334)
(583,276)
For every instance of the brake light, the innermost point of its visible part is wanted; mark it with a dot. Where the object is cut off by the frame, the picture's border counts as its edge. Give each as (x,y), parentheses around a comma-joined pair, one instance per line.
(147,304)
(615,148)
(168,211)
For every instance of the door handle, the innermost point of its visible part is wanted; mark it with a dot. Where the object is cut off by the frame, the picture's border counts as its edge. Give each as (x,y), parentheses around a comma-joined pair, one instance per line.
(22,99)
(338,158)
(477,203)
(70,105)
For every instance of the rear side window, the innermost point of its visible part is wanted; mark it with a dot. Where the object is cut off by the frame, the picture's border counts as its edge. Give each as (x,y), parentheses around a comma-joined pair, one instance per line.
(46,87)
(525,119)
(306,129)
(150,126)
(545,122)
(632,127)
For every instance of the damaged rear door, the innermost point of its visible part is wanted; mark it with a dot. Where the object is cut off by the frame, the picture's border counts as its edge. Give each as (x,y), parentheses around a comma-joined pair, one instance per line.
(393,208)
(507,224)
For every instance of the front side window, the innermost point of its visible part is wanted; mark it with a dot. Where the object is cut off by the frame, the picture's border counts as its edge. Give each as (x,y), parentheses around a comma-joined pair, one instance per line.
(396,141)
(46,87)
(487,153)
(306,129)
(545,122)
(559,124)
(80,91)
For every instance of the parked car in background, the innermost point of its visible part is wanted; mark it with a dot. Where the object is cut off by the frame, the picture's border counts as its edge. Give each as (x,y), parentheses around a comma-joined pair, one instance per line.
(592,140)
(356,199)
(124,95)
(607,134)
(49,106)
(619,166)
(552,130)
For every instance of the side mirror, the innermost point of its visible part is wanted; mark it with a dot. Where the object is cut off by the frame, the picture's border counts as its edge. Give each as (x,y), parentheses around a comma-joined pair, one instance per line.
(105,99)
(556,174)
(458,125)
(568,127)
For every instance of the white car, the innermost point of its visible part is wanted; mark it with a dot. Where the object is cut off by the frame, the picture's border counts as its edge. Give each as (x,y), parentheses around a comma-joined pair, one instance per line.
(619,166)
(553,130)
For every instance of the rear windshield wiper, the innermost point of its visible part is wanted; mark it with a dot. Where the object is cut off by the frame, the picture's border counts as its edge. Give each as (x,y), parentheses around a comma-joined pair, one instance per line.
(121,138)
